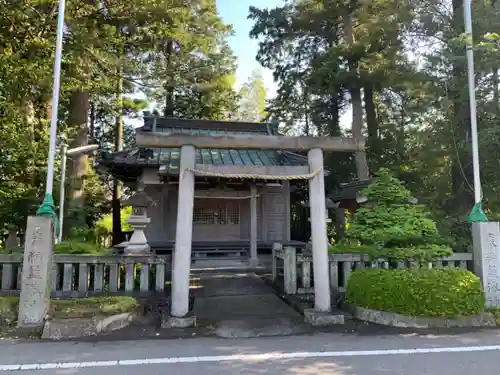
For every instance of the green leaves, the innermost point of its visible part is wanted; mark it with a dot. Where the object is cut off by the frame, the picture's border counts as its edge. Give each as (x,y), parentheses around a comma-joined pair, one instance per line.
(387,226)
(105,224)
(417,292)
(386,189)
(108,47)
(252,103)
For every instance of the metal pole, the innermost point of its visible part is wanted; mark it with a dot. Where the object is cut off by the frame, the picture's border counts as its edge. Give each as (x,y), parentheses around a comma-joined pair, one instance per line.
(472,101)
(47,208)
(62,194)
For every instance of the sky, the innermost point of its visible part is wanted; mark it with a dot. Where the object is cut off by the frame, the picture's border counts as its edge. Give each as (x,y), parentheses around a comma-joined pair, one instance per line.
(235,12)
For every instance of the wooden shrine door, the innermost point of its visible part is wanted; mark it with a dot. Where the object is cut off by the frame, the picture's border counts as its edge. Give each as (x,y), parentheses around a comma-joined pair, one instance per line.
(216,219)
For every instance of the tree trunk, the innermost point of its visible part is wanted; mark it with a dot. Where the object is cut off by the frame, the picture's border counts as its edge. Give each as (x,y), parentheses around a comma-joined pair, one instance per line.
(306,110)
(340,223)
(92,122)
(334,123)
(357,105)
(78,120)
(116,204)
(371,121)
(29,117)
(169,85)
(496,92)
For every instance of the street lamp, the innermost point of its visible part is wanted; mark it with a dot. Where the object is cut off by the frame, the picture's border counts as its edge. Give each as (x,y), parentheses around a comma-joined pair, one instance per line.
(477,213)
(47,207)
(65,152)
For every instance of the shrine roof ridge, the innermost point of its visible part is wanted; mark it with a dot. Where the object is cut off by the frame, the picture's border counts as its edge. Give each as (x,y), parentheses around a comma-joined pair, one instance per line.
(192,126)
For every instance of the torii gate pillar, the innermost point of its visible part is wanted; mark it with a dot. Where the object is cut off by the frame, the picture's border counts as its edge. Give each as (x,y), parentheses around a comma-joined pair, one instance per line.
(322,298)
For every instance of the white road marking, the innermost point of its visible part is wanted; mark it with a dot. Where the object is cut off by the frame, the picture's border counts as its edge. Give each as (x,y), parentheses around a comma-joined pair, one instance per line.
(245,358)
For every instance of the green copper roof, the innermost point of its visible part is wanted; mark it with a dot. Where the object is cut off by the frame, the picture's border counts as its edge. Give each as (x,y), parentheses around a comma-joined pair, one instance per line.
(169,158)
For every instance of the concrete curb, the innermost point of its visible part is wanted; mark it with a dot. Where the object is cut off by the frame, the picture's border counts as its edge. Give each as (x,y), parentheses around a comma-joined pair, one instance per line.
(188,321)
(58,329)
(316,319)
(403,321)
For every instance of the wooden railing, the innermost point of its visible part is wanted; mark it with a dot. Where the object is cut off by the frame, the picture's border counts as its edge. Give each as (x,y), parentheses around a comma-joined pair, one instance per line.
(82,275)
(294,270)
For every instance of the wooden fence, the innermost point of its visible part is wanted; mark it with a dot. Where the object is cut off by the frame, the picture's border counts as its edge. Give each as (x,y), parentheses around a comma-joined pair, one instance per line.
(294,269)
(82,275)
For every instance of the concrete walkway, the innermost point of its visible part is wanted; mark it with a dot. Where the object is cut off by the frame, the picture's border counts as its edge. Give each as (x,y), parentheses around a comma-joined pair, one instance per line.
(242,305)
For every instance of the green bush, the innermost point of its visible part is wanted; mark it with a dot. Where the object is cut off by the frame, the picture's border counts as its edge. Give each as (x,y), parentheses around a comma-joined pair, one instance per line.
(105,224)
(390,225)
(417,292)
(77,248)
(421,254)
(71,247)
(16,250)
(8,310)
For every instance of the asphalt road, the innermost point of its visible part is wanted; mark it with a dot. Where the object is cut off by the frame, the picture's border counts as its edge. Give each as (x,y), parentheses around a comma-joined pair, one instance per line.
(332,354)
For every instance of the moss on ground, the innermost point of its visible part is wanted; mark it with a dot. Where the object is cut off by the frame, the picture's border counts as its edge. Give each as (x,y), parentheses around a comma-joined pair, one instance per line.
(71,308)
(90,307)
(495,311)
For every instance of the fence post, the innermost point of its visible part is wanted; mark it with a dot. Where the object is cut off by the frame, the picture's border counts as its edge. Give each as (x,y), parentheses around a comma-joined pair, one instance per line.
(306,274)
(290,270)
(276,246)
(334,274)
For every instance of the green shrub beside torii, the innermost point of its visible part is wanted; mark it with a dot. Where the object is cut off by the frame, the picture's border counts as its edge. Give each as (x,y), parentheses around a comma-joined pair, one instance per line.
(388,226)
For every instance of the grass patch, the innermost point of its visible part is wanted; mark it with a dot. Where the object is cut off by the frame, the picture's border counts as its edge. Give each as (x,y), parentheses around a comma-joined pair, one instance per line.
(90,307)
(8,310)
(72,308)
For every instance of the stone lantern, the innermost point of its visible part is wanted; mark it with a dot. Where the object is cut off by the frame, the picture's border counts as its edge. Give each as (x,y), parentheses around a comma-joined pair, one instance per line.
(12,242)
(138,243)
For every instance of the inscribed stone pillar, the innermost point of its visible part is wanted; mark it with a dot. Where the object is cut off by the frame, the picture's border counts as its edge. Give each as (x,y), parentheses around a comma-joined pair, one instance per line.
(34,301)
(181,264)
(254,261)
(322,298)
(486,256)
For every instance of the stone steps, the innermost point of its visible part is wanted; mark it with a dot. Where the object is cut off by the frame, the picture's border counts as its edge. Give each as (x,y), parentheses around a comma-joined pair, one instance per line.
(238,262)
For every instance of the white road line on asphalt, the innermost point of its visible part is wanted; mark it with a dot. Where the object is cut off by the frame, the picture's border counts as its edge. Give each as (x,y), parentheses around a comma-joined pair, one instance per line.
(245,358)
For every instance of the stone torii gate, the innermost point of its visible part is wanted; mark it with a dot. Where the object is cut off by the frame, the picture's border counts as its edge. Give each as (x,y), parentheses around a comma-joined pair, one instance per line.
(187,143)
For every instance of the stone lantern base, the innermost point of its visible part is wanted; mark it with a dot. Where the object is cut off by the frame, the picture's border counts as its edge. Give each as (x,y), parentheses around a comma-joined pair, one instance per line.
(138,243)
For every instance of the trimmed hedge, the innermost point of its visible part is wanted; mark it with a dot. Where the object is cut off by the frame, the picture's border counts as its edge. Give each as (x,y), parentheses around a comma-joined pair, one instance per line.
(420,254)
(443,292)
